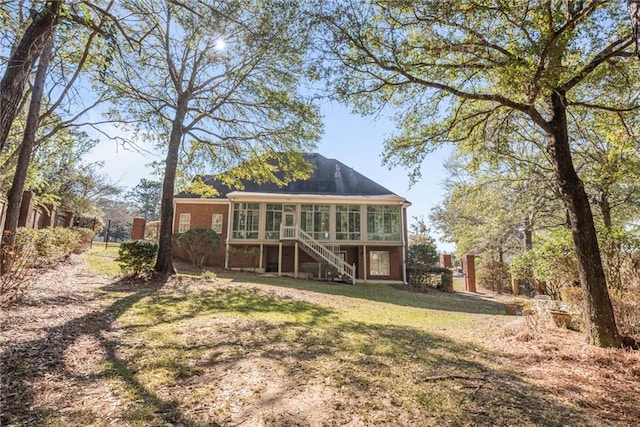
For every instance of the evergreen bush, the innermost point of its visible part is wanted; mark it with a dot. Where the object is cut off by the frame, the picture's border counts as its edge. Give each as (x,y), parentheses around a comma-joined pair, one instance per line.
(198,243)
(137,257)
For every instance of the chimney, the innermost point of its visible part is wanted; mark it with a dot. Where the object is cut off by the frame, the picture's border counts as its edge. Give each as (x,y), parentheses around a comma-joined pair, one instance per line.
(339,181)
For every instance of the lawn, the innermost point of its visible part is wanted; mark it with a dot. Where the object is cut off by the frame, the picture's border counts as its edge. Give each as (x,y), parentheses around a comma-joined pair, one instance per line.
(252,350)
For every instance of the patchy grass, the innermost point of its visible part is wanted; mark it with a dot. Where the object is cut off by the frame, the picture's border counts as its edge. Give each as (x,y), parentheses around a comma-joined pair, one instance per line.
(371,366)
(100,260)
(251,350)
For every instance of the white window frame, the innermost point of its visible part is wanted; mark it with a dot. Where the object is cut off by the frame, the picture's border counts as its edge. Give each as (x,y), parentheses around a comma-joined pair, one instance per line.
(217,222)
(379,263)
(184,223)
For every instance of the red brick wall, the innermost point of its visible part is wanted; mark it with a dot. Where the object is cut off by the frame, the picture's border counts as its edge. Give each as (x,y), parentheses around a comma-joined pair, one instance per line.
(244,257)
(26,210)
(201,218)
(137,230)
(395,262)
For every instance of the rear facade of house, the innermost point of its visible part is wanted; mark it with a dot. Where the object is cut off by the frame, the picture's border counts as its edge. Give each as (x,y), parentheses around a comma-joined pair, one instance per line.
(335,224)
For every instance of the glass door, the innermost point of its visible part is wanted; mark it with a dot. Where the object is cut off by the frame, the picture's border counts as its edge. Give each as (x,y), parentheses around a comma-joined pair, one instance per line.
(289,219)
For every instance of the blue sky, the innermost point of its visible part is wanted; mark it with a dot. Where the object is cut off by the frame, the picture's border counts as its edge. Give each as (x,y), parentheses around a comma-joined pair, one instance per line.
(354,140)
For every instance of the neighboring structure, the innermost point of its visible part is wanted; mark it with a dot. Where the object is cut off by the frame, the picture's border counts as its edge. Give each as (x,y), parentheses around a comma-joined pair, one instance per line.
(35,216)
(336,218)
(446,261)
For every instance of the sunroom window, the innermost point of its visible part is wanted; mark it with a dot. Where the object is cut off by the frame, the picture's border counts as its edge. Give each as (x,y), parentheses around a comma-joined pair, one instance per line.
(246,220)
(348,222)
(383,223)
(314,219)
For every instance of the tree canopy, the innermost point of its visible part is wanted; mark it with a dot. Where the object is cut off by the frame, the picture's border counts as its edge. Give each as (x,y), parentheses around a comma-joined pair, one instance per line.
(483,74)
(216,83)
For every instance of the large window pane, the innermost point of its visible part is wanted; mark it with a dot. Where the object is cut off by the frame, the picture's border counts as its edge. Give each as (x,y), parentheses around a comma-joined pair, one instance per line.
(274,218)
(379,263)
(246,220)
(383,223)
(314,219)
(184,223)
(348,222)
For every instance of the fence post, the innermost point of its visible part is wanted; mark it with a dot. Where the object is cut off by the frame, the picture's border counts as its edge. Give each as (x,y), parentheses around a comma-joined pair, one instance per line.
(106,239)
(68,218)
(445,261)
(26,209)
(137,230)
(470,273)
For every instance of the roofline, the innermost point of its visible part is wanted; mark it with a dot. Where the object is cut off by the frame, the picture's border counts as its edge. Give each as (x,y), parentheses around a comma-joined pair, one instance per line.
(326,198)
(391,199)
(201,200)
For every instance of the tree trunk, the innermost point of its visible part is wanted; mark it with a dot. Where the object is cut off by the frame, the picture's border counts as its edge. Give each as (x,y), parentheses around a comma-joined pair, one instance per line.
(605,209)
(164,262)
(527,226)
(633,6)
(14,199)
(599,318)
(21,62)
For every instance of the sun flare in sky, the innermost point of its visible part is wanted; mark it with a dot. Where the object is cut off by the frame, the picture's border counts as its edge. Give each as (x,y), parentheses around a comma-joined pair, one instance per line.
(220,44)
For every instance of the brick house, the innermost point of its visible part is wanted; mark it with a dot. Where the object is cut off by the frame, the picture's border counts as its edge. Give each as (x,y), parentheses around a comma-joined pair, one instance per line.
(337,219)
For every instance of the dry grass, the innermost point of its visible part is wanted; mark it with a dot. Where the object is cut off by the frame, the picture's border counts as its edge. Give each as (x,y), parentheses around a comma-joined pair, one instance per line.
(89,349)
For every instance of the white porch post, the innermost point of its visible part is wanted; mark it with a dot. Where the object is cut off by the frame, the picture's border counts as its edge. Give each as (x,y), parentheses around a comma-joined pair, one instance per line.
(295,261)
(280,259)
(261,253)
(403,232)
(364,258)
(229,231)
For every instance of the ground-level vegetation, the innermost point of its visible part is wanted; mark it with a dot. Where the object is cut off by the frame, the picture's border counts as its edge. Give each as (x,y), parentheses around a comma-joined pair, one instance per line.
(216,348)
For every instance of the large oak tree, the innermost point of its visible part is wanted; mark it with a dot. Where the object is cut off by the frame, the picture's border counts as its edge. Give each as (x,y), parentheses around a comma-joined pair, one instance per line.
(463,70)
(219,81)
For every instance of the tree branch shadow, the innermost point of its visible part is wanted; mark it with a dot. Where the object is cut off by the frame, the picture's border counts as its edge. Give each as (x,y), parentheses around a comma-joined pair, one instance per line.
(24,363)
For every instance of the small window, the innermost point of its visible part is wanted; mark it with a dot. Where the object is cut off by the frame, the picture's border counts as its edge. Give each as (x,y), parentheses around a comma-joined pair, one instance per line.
(216,223)
(379,263)
(185,222)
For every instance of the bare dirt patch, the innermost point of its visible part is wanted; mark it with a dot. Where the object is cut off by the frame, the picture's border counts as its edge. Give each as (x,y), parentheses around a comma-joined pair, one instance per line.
(94,350)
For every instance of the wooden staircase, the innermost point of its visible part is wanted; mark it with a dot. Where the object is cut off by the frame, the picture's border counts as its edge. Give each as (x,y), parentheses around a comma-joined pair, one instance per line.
(320,251)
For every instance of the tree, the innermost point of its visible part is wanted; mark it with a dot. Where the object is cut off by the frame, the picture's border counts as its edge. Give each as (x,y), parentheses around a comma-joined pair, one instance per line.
(198,243)
(116,218)
(634,13)
(21,61)
(14,200)
(145,196)
(496,199)
(465,70)
(422,247)
(609,164)
(220,80)
(37,41)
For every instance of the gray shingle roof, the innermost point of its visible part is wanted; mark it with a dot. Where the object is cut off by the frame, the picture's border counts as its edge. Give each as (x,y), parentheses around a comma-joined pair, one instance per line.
(329,177)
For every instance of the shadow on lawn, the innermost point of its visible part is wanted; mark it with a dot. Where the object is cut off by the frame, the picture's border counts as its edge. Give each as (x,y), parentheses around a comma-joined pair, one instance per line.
(22,365)
(391,294)
(364,362)
(306,341)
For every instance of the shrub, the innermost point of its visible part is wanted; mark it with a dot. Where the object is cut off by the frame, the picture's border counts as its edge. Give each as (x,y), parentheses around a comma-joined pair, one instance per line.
(84,237)
(36,248)
(494,275)
(422,255)
(15,278)
(245,257)
(626,306)
(208,274)
(422,278)
(198,243)
(137,257)
(152,231)
(552,263)
(48,246)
